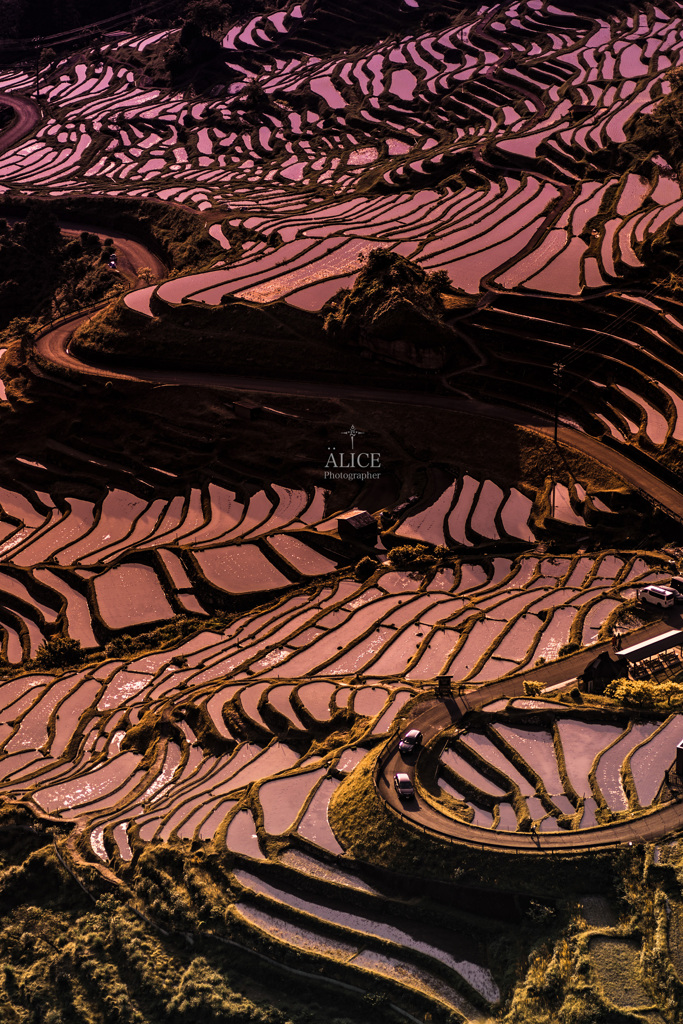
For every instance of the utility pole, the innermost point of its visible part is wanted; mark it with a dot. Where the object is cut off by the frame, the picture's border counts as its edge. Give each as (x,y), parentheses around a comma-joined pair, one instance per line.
(38,49)
(557,371)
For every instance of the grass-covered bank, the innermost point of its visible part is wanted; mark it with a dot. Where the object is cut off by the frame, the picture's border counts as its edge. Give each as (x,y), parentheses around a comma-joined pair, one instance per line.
(551,968)
(394,845)
(172,944)
(67,956)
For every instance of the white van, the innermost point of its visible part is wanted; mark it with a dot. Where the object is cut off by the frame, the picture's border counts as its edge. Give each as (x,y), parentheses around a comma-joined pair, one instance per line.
(662,596)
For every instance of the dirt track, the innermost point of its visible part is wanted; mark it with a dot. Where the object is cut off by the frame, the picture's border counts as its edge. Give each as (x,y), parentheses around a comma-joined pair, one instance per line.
(439,715)
(27,117)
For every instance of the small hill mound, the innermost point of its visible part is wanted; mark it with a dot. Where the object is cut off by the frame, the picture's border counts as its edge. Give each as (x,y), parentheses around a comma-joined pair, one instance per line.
(395,309)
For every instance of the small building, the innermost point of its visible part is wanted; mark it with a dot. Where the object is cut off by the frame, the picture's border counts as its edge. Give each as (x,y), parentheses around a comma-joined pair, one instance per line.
(601,671)
(245,409)
(357,525)
(649,648)
(679,760)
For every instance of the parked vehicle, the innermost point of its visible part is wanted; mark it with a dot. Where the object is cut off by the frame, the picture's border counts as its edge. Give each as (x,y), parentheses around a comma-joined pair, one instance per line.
(410,742)
(403,786)
(676,583)
(664,597)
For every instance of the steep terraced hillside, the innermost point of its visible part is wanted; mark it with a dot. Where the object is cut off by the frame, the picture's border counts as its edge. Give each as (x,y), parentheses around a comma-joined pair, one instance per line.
(383,430)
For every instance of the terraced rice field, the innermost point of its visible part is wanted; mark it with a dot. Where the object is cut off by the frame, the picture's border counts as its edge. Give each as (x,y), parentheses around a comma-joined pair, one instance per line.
(345,648)
(525,98)
(487,137)
(489,145)
(233,758)
(543,766)
(96,568)
(530,82)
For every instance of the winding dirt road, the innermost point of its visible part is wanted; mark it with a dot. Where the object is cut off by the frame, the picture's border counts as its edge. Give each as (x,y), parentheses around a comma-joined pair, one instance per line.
(438,715)
(132,256)
(27,117)
(53,346)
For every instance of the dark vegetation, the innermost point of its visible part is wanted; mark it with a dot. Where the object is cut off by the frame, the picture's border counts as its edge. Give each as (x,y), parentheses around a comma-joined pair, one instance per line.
(177,235)
(69,955)
(28,19)
(7,115)
(365,568)
(663,696)
(191,57)
(415,557)
(661,130)
(166,944)
(273,340)
(59,652)
(395,314)
(395,308)
(43,272)
(194,55)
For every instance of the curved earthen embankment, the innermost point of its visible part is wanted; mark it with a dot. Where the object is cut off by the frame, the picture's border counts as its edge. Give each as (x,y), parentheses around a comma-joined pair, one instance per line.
(53,346)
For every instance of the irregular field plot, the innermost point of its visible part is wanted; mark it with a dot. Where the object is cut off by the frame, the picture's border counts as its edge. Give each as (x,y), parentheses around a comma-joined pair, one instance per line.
(616,964)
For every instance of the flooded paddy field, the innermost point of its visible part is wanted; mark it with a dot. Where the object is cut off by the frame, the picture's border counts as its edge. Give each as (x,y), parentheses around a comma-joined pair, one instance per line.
(563,771)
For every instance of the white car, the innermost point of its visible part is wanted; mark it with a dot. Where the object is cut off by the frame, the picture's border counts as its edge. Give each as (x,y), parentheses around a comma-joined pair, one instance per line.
(403,786)
(662,596)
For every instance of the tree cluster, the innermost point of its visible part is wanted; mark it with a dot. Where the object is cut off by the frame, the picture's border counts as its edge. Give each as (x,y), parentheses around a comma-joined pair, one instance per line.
(641,693)
(392,298)
(42,271)
(195,55)
(661,130)
(59,652)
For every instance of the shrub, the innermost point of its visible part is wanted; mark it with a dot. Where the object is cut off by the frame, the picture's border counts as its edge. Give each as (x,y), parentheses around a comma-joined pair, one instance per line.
(365,568)
(576,695)
(645,694)
(412,556)
(533,687)
(569,648)
(144,24)
(59,652)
